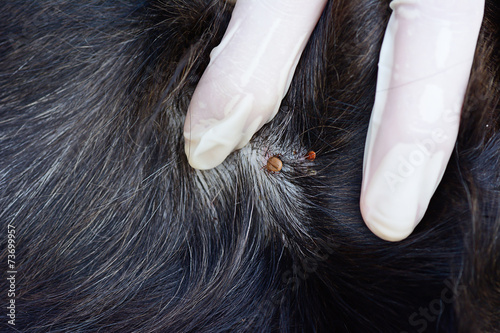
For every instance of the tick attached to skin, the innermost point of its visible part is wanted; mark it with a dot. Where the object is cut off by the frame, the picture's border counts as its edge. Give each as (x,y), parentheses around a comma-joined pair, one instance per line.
(274,164)
(311,156)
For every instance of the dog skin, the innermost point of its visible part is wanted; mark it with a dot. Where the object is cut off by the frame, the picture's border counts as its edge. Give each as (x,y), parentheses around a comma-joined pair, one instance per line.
(115,232)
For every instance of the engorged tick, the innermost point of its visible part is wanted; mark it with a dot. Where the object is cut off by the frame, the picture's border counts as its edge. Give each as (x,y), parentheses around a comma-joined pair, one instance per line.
(274,164)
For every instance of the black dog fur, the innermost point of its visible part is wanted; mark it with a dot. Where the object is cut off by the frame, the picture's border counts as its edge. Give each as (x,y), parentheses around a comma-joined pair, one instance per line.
(114,232)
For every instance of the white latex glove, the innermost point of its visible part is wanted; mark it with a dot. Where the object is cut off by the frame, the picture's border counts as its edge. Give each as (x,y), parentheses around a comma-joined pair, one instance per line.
(248,76)
(423,73)
(424,69)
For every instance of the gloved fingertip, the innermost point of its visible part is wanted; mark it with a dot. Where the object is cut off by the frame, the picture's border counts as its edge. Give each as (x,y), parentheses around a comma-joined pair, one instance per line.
(396,194)
(206,151)
(209,140)
(381,220)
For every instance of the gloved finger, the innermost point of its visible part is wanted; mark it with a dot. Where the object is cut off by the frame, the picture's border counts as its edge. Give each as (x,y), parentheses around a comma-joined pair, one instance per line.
(248,76)
(424,69)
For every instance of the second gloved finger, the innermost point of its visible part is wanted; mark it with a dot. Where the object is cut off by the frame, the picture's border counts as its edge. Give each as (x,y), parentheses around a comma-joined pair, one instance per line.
(424,69)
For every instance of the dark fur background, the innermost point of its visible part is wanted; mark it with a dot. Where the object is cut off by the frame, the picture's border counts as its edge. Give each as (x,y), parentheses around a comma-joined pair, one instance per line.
(116,233)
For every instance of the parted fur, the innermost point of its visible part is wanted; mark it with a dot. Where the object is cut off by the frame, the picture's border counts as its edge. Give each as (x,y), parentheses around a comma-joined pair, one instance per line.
(115,232)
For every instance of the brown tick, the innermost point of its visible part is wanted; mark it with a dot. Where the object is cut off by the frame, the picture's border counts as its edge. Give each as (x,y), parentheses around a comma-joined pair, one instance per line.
(274,164)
